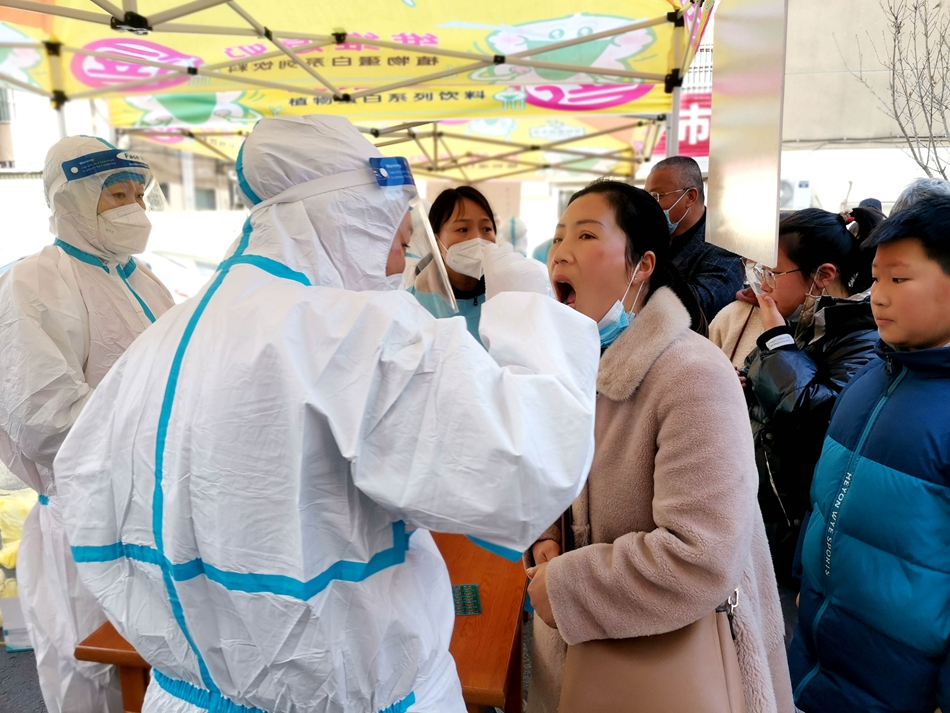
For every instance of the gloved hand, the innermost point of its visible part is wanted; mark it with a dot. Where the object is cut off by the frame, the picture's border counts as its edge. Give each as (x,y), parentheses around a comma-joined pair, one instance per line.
(508,271)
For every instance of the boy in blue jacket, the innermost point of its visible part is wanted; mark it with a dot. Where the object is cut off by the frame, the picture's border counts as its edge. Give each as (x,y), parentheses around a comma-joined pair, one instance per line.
(874,627)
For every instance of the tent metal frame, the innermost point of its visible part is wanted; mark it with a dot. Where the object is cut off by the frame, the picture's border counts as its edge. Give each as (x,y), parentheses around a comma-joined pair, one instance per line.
(436,167)
(128,19)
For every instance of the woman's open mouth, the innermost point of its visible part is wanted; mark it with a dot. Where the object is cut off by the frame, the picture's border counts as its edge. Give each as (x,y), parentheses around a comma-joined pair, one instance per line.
(565,292)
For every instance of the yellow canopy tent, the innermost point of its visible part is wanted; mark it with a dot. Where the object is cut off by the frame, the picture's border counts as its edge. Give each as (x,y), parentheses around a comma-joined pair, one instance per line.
(207,70)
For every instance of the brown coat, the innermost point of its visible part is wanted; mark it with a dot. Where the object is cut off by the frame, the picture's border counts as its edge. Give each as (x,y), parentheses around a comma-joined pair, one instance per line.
(669,513)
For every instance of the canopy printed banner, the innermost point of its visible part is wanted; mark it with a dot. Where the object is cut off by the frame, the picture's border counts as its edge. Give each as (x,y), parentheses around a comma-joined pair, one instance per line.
(397,59)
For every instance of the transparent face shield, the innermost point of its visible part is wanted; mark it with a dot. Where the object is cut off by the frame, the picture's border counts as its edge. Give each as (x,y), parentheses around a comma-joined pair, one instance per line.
(113,192)
(129,187)
(113,179)
(425,270)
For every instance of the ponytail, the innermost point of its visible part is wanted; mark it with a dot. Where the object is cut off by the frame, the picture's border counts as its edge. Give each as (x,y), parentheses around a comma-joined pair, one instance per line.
(813,237)
(866,220)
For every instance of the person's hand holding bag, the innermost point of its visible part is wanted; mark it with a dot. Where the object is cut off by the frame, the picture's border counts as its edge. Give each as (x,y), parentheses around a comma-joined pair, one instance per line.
(538,591)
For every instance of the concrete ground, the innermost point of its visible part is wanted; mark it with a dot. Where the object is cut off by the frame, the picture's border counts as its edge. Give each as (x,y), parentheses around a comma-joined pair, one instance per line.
(19,686)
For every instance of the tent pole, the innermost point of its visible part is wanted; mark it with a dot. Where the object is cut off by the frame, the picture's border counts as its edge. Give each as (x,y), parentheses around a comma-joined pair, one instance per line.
(675,82)
(209,146)
(520,148)
(392,129)
(24,86)
(54,56)
(186,29)
(421,148)
(673,124)
(267,34)
(455,160)
(182,10)
(609,156)
(419,80)
(130,5)
(393,142)
(109,8)
(61,121)
(43,9)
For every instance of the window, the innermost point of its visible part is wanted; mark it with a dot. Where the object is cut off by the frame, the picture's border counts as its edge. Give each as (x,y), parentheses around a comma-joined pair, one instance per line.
(205,199)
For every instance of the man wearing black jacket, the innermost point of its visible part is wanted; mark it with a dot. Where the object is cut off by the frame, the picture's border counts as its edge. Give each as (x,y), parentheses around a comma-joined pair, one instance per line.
(714,274)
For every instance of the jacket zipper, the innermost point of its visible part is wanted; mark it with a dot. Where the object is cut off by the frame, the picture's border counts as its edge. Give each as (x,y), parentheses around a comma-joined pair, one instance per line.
(148,313)
(845,483)
(843,488)
(778,497)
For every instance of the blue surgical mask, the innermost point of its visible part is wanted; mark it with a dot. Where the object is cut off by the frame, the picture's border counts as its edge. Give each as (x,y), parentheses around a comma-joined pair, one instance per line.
(669,223)
(617,319)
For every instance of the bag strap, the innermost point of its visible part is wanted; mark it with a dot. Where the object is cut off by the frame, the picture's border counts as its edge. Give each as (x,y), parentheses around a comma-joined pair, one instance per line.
(741,334)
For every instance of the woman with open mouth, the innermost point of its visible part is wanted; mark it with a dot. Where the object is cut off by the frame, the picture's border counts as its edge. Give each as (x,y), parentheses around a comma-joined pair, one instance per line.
(668,526)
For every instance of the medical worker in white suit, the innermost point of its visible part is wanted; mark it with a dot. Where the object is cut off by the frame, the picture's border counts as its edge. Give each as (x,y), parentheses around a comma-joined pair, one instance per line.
(249,491)
(66,314)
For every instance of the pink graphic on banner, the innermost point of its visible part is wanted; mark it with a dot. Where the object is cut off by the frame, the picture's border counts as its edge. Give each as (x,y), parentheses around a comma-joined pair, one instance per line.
(584,97)
(169,139)
(695,116)
(100,73)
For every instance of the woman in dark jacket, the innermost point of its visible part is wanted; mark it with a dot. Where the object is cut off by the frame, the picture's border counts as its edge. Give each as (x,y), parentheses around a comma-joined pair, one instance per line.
(819,332)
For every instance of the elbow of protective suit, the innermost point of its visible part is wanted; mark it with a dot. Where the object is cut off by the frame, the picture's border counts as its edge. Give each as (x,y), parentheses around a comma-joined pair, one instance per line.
(508,271)
(40,435)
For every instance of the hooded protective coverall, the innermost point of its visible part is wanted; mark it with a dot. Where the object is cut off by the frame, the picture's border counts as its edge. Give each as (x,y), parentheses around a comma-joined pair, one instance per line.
(247,489)
(66,314)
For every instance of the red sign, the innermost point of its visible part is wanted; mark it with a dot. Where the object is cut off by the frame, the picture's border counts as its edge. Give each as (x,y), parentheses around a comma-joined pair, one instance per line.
(695,114)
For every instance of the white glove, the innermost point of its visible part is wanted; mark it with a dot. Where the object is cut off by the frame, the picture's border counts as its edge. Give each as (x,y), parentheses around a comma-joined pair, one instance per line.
(508,271)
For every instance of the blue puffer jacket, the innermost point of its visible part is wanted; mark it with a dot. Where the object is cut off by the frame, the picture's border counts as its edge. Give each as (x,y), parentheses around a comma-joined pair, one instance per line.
(874,627)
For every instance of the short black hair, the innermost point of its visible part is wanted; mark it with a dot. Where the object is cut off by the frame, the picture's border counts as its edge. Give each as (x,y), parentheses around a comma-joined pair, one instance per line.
(928,222)
(444,205)
(687,172)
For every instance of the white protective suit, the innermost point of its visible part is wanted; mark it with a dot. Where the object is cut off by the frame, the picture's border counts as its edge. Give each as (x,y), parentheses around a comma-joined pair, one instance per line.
(246,491)
(66,315)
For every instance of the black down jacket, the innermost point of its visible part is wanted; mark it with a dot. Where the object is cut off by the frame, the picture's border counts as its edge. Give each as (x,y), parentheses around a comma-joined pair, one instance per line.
(790,390)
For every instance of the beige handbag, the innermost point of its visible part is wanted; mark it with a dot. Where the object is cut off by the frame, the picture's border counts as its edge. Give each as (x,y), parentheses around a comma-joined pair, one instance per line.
(692,670)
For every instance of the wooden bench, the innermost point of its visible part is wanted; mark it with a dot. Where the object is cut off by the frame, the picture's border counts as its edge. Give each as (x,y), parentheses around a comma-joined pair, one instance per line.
(486,646)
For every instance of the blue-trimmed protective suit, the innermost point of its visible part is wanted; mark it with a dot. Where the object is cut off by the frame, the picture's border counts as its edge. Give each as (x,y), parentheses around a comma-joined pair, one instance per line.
(874,626)
(66,315)
(247,491)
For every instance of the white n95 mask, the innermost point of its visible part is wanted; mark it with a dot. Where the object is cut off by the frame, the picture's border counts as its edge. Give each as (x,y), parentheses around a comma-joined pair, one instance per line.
(124,230)
(468,258)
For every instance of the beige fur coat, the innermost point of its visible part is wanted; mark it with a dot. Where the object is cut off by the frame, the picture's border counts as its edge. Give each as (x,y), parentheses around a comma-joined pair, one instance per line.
(736,330)
(669,515)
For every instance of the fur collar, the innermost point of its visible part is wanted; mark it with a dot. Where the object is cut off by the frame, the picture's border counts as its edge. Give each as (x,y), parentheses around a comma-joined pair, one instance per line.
(627,361)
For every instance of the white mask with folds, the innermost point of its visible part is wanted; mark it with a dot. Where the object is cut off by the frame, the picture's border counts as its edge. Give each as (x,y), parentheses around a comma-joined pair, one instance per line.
(124,230)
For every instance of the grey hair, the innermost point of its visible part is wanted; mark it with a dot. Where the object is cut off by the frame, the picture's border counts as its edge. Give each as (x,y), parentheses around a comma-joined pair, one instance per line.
(687,173)
(920,190)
